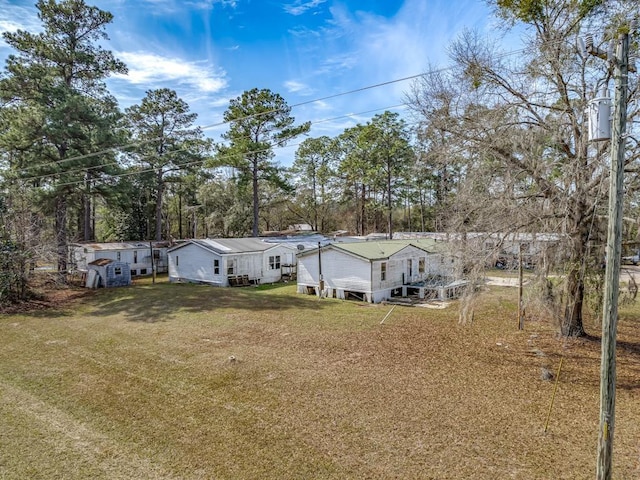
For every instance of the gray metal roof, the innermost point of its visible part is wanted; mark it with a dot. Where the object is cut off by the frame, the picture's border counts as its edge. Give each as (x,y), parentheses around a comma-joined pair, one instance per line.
(224,246)
(377,250)
(96,246)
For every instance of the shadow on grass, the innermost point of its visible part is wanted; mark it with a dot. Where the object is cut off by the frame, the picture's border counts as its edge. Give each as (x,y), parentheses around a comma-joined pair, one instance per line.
(163,301)
(622,346)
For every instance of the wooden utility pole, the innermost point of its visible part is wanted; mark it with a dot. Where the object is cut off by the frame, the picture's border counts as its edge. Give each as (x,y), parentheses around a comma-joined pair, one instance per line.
(612,272)
(320,277)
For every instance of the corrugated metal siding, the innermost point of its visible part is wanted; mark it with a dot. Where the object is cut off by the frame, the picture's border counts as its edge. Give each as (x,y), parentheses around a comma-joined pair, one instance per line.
(107,273)
(121,280)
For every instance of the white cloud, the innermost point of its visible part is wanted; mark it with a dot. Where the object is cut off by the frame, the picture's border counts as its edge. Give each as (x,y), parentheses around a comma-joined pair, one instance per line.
(17,17)
(208,4)
(151,69)
(163,7)
(321,105)
(9,26)
(361,45)
(299,7)
(293,86)
(338,63)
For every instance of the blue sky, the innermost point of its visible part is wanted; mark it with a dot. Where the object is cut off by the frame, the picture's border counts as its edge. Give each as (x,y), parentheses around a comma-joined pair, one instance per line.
(210,51)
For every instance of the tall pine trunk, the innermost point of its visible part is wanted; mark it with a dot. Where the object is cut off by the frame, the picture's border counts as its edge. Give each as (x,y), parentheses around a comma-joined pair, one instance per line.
(61,234)
(256,210)
(389,205)
(160,194)
(363,212)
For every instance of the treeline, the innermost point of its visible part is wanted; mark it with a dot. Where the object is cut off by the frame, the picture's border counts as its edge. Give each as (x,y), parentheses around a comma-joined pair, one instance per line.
(496,143)
(77,168)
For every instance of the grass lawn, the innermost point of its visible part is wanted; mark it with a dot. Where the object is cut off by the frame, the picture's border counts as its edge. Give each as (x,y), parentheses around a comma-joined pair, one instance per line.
(192,382)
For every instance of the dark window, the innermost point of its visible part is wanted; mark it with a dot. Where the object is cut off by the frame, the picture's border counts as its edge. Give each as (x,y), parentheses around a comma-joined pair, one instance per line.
(216,266)
(118,256)
(135,256)
(274,262)
(421,265)
(231,270)
(143,271)
(177,261)
(117,271)
(134,273)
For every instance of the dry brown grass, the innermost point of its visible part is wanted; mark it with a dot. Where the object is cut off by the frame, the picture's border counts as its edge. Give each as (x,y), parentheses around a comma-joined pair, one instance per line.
(185,381)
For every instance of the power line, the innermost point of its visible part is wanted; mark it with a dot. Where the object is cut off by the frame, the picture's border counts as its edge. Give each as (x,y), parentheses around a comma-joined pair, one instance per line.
(316,100)
(206,127)
(188,164)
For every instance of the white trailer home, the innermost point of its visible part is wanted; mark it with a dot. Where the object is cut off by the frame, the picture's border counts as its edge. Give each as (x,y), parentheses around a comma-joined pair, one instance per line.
(138,255)
(227,262)
(371,271)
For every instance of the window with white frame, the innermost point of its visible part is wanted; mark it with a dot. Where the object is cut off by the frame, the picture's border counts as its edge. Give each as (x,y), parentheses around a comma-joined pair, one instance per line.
(231,267)
(274,262)
(383,271)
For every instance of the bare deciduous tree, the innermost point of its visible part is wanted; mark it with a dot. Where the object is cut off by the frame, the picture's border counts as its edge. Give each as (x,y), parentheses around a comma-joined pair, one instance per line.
(518,123)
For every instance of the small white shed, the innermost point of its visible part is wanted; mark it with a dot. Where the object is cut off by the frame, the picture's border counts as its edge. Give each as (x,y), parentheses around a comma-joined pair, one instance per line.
(231,261)
(105,272)
(372,271)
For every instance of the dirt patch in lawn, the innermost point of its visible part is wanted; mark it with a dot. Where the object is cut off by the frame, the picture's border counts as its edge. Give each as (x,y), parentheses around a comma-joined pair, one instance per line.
(46,299)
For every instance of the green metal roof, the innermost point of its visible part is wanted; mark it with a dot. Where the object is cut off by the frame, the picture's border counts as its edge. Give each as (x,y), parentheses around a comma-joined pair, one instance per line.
(377,250)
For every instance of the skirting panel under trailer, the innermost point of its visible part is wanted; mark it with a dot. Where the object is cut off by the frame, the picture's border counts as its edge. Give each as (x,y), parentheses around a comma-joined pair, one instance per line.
(433,292)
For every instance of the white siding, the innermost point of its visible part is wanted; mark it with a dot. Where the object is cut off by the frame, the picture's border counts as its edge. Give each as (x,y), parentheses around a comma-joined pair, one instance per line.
(195,264)
(249,264)
(347,272)
(287,257)
(398,271)
(339,270)
(344,272)
(80,258)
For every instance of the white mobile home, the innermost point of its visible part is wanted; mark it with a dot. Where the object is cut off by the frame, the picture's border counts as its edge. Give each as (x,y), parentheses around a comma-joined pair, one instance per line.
(373,271)
(138,255)
(231,261)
